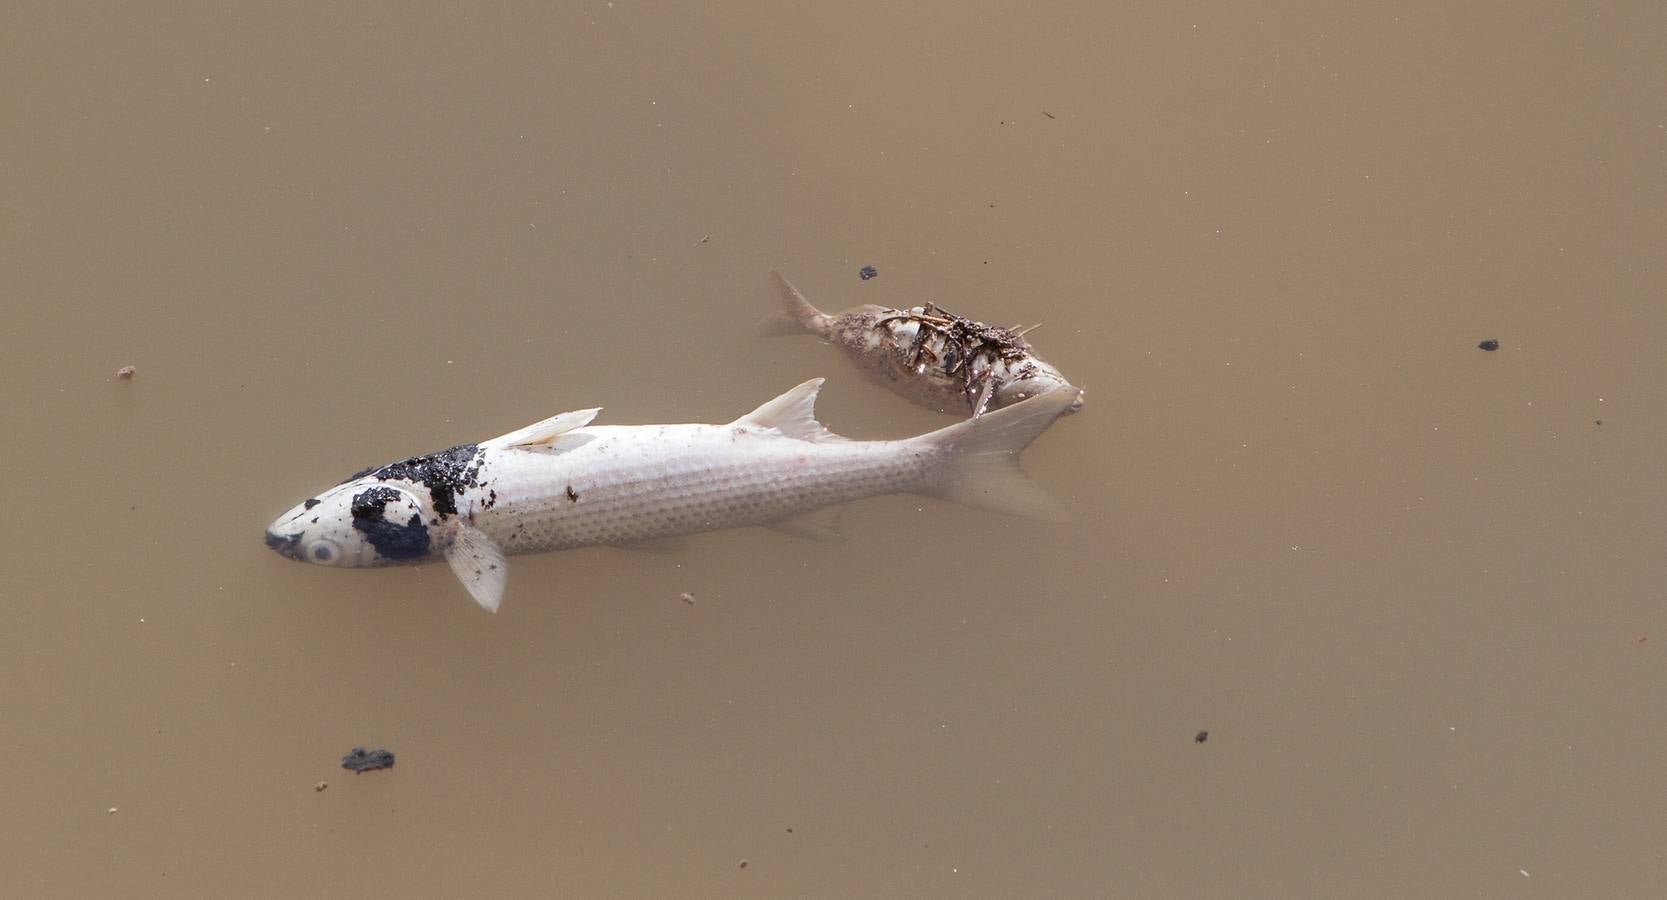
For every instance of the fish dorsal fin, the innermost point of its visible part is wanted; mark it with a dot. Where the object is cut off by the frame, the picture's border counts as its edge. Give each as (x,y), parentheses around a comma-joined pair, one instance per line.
(542,434)
(793,414)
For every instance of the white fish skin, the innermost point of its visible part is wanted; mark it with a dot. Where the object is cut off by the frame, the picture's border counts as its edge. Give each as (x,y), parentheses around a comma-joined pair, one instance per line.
(563,483)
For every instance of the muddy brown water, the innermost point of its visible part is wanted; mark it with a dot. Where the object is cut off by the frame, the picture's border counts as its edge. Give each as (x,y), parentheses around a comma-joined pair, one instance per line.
(1413,590)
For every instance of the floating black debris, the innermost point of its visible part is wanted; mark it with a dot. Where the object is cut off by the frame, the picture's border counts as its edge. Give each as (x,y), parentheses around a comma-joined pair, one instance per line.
(1490,345)
(867,272)
(1201,737)
(362,760)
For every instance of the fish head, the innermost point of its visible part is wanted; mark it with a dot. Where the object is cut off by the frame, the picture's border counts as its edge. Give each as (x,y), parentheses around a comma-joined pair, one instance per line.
(366,521)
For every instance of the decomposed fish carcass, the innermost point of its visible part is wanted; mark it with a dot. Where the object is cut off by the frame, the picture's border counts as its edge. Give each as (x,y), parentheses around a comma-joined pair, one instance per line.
(932,356)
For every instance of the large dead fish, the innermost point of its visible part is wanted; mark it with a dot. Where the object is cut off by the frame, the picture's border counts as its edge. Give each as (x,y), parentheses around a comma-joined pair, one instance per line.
(932,356)
(564,482)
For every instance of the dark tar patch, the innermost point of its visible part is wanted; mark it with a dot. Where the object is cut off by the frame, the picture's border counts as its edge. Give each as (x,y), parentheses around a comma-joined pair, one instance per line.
(362,760)
(383,528)
(445,473)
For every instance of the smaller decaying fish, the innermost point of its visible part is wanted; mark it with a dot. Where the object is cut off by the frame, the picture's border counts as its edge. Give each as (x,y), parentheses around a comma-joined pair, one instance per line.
(932,356)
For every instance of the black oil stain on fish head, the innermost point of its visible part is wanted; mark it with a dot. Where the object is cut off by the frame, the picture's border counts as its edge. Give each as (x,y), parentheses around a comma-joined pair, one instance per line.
(379,514)
(445,473)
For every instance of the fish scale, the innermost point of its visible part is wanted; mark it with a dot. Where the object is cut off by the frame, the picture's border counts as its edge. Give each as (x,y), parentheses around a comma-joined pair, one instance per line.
(724,477)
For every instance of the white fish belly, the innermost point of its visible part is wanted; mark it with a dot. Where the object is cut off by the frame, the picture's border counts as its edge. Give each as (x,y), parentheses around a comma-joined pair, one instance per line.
(620,484)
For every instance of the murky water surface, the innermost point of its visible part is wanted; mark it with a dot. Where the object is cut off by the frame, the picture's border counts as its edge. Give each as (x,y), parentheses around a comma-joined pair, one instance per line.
(1413,590)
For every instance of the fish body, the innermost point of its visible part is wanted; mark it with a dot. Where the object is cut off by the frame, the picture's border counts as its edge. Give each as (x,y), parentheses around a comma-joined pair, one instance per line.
(934,357)
(564,483)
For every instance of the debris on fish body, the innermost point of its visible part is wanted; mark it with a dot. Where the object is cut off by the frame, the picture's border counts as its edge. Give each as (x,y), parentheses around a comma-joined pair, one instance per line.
(932,356)
(564,483)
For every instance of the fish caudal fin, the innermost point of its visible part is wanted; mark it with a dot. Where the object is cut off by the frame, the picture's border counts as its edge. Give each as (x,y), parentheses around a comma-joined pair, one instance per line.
(479,564)
(980,466)
(800,316)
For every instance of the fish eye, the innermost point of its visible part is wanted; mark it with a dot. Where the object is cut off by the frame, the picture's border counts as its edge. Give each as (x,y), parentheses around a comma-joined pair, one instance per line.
(322,552)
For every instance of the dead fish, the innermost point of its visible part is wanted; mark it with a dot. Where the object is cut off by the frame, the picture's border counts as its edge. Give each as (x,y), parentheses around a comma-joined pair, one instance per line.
(932,356)
(564,483)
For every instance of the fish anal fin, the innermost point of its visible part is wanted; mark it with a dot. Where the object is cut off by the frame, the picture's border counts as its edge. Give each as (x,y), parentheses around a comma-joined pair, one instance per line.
(816,525)
(478,562)
(675,543)
(793,414)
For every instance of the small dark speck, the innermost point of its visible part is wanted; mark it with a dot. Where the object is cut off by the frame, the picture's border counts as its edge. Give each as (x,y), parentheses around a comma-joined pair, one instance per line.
(743,864)
(1049,114)
(362,760)
(789,831)
(1600,421)
(1201,737)
(572,494)
(867,272)
(1489,345)
(310,502)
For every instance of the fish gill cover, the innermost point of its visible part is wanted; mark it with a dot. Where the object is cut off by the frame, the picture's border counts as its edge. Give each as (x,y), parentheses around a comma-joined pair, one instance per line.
(384,532)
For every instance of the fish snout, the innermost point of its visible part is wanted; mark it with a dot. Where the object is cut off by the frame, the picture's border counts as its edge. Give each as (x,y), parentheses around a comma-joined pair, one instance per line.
(286,544)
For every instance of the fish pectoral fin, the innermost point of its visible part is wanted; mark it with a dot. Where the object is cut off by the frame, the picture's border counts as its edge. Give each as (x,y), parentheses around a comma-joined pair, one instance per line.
(478,562)
(544,433)
(816,525)
(793,414)
(981,404)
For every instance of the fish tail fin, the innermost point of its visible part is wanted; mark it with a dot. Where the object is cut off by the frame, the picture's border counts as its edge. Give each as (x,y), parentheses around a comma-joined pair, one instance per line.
(980,465)
(797,315)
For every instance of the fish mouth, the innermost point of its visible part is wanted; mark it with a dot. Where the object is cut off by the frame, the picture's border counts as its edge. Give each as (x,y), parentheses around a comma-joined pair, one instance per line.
(286,544)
